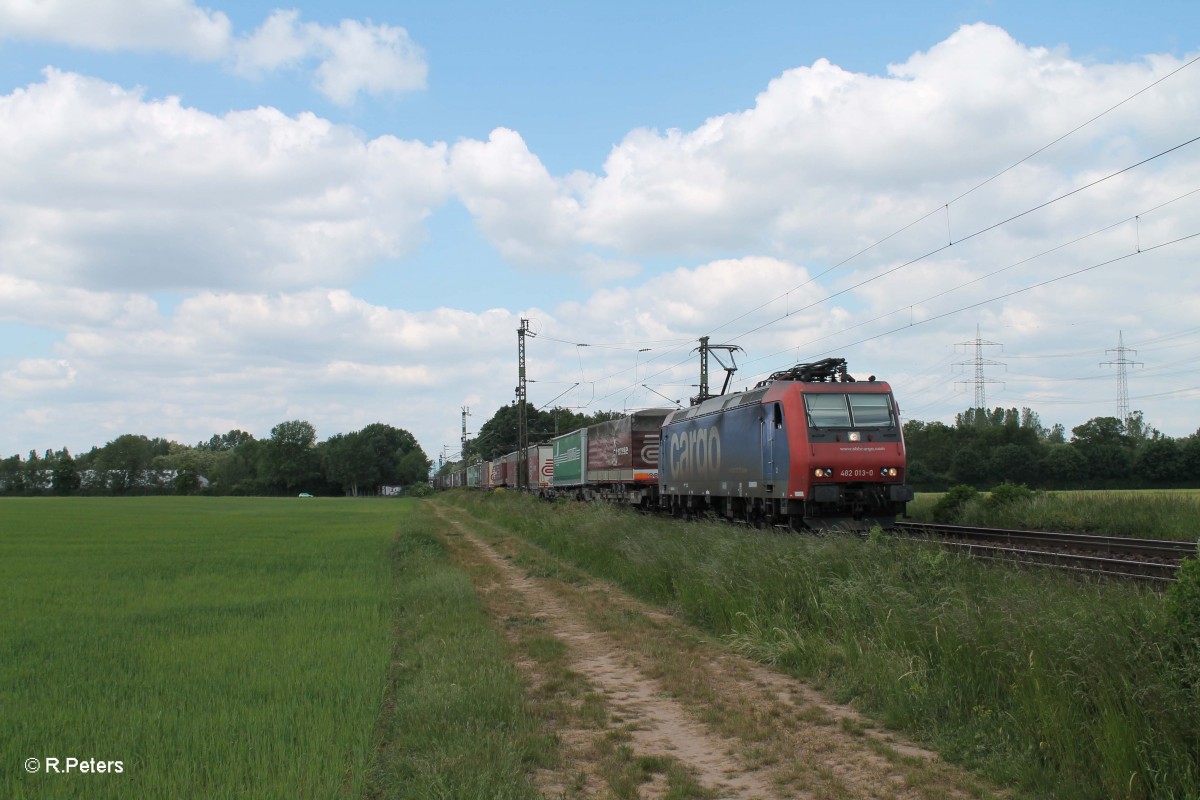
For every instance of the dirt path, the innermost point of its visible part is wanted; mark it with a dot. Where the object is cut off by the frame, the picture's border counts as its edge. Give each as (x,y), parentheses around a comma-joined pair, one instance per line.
(642,705)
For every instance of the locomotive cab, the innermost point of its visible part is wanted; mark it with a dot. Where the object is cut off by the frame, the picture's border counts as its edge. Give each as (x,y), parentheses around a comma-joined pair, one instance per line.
(852,469)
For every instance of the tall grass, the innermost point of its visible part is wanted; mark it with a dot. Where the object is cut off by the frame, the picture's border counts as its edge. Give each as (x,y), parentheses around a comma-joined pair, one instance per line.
(1147,514)
(1064,688)
(217,648)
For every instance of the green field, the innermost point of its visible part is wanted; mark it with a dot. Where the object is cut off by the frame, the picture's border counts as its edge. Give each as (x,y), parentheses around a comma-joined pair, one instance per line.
(215,648)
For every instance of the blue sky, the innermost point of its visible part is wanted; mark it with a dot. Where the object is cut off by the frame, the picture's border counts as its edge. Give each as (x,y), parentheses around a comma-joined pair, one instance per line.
(345,210)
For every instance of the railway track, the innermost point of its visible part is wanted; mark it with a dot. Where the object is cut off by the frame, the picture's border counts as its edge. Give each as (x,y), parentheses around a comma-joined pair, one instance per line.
(1115,556)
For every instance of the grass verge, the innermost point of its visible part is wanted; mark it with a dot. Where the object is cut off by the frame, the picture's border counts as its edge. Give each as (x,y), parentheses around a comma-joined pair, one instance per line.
(455,722)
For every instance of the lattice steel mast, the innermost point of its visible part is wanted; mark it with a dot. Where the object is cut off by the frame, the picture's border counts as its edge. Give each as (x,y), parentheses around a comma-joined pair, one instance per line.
(1121,363)
(979,362)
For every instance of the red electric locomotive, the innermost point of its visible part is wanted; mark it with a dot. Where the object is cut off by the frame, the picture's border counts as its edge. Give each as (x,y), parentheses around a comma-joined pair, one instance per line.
(809,447)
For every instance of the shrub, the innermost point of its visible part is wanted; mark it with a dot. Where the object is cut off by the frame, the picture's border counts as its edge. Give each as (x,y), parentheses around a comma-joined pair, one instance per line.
(1008,493)
(951,504)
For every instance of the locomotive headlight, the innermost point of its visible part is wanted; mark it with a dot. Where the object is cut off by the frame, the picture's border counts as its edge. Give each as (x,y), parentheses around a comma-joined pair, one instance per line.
(889,472)
(823,472)
(855,436)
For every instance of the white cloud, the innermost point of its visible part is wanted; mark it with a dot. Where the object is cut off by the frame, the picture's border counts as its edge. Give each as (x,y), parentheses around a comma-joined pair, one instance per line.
(525,212)
(30,302)
(826,159)
(278,42)
(347,59)
(352,57)
(173,26)
(37,375)
(106,189)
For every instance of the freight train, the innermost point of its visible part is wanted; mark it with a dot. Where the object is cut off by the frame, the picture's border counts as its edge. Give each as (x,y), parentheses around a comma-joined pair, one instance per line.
(809,447)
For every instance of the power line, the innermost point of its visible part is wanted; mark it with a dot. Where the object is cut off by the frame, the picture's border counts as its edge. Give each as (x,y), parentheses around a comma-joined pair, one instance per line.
(950,243)
(947,205)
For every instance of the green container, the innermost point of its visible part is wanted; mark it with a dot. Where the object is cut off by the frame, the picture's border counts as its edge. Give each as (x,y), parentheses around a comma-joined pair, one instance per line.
(570,458)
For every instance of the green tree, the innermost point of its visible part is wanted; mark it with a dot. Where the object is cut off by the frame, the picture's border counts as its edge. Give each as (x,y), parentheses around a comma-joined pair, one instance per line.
(1099,431)
(226,441)
(1063,466)
(290,461)
(12,475)
(377,455)
(123,462)
(236,471)
(971,465)
(1013,463)
(1161,461)
(931,447)
(65,476)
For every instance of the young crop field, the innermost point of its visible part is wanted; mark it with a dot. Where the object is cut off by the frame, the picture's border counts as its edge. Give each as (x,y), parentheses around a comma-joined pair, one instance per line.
(192,647)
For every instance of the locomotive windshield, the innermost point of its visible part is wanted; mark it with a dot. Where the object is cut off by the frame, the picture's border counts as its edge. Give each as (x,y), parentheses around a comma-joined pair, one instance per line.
(849,410)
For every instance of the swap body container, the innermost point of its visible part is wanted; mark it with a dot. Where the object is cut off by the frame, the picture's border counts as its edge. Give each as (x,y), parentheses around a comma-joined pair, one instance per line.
(539,459)
(570,453)
(625,450)
(511,469)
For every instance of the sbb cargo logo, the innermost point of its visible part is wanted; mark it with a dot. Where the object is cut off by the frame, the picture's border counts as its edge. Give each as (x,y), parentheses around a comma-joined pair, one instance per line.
(695,453)
(650,452)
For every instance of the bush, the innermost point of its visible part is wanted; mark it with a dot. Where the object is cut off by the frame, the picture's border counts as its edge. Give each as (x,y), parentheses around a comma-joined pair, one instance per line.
(951,504)
(1008,493)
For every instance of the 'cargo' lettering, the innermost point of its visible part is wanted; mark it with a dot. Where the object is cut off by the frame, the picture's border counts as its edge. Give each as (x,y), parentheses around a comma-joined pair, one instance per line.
(695,453)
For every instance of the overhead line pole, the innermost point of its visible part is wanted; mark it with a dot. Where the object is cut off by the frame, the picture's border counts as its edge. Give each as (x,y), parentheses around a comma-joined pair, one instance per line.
(466,412)
(522,412)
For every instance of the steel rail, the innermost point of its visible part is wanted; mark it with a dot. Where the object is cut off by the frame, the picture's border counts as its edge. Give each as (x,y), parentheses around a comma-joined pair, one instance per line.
(1159,558)
(1114,567)
(1152,548)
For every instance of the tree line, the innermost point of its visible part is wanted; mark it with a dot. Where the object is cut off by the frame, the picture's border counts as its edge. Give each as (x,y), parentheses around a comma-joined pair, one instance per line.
(985,447)
(289,462)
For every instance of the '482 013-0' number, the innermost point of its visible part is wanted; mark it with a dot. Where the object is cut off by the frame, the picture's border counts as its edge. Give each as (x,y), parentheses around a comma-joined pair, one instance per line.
(856,473)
